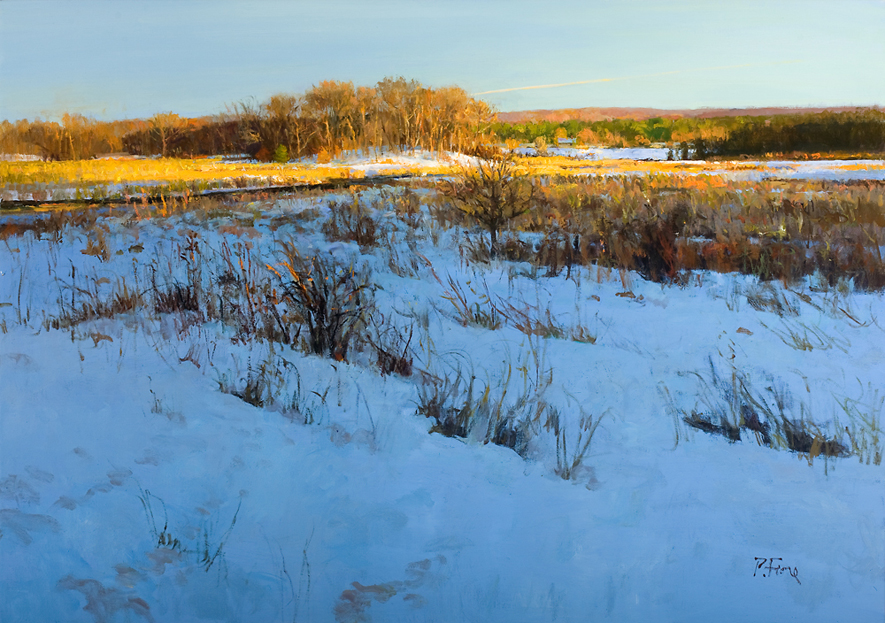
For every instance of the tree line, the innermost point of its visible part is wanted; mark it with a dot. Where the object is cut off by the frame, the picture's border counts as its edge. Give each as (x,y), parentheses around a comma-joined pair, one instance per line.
(862,130)
(396,114)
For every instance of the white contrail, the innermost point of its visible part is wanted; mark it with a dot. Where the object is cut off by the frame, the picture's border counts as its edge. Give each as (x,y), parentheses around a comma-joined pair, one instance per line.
(662,73)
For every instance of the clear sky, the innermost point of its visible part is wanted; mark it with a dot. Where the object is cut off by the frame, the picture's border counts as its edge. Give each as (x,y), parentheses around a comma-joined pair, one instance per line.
(131,58)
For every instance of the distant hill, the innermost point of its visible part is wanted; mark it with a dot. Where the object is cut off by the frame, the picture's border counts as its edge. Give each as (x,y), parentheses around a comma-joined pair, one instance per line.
(605,114)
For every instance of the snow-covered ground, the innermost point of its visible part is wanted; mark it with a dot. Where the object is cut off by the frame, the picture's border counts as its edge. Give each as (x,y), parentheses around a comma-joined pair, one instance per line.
(132,489)
(760,170)
(747,170)
(421,162)
(379,162)
(601,153)
(19,158)
(349,164)
(822,169)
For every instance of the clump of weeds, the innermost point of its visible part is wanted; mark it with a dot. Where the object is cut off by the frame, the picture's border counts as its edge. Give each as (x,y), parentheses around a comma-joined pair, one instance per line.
(732,406)
(333,299)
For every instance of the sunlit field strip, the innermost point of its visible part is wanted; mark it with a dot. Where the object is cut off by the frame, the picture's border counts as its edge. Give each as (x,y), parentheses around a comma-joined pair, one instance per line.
(170,170)
(173,170)
(205,173)
(560,165)
(861,167)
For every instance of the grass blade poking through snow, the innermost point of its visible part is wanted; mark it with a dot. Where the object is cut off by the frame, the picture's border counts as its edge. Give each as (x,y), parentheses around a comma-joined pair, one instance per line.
(333,299)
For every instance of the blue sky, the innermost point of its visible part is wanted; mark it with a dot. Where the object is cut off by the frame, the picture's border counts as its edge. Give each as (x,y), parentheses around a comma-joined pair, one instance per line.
(131,58)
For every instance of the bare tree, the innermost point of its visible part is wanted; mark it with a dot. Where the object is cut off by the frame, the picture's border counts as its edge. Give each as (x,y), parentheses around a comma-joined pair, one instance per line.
(281,124)
(399,105)
(166,128)
(493,193)
(332,107)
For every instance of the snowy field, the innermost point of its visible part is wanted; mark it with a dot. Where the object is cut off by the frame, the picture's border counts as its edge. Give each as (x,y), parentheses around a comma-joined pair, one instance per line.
(738,170)
(601,153)
(132,488)
(128,178)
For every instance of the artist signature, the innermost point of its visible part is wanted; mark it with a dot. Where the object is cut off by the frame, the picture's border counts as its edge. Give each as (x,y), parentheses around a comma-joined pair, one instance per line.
(772,566)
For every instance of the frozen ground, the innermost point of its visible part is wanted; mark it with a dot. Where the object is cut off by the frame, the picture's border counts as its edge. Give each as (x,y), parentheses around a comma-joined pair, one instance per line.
(348,164)
(19,158)
(422,162)
(741,170)
(602,153)
(824,169)
(132,489)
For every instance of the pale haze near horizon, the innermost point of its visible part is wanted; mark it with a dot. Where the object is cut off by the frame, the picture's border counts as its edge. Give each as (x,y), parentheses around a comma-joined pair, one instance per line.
(132,58)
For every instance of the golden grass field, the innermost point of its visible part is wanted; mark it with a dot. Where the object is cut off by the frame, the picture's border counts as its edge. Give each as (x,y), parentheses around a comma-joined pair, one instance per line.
(133,171)
(109,178)
(560,165)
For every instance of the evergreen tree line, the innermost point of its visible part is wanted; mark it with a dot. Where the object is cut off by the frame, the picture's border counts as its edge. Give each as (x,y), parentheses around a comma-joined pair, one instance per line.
(862,130)
(396,114)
